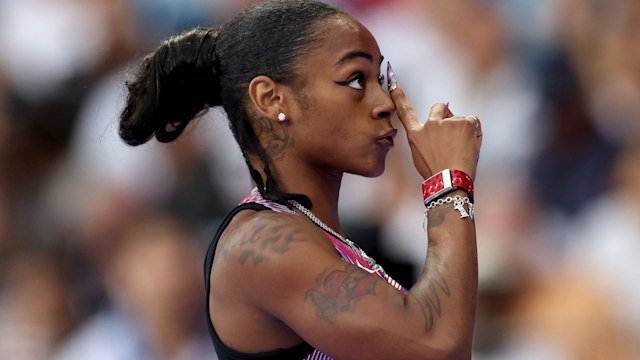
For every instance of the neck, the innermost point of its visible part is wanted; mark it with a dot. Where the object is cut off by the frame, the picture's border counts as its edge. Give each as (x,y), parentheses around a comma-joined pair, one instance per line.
(321,186)
(323,189)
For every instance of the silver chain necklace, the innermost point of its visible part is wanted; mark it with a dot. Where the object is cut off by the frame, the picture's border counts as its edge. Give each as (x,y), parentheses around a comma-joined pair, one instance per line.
(346,241)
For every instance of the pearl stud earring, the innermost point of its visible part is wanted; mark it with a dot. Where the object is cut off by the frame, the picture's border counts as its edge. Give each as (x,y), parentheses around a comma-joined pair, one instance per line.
(282,117)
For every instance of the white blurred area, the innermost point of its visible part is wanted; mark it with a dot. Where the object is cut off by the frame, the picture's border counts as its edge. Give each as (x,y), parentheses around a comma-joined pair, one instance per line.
(556,85)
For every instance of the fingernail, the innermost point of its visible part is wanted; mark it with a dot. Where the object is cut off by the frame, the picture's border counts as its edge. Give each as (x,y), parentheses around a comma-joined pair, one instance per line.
(392,83)
(447,104)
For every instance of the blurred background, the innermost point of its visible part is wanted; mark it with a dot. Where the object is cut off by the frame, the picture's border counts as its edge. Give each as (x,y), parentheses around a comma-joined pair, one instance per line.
(101,245)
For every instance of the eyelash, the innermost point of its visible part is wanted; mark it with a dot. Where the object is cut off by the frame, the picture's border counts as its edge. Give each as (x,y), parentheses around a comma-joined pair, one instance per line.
(359,77)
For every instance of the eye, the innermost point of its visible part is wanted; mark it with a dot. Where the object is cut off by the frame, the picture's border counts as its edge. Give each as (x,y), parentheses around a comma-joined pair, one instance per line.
(357,82)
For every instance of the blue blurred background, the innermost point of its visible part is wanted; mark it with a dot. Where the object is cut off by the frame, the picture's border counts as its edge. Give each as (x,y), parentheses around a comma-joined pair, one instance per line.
(101,245)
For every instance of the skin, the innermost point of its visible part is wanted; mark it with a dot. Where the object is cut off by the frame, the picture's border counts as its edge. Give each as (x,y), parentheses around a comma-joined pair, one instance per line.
(277,279)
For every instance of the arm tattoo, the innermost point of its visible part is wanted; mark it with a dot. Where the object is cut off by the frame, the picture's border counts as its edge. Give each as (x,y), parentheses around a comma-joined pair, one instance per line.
(264,238)
(430,297)
(339,290)
(277,140)
(437,215)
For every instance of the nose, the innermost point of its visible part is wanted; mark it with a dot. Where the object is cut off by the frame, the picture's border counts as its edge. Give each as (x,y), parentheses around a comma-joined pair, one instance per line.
(384,107)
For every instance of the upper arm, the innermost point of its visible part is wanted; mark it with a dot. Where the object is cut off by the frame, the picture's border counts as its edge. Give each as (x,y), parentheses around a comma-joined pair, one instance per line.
(291,271)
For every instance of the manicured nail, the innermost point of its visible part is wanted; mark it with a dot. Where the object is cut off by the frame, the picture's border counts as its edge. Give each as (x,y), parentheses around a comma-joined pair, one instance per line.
(392,83)
(447,104)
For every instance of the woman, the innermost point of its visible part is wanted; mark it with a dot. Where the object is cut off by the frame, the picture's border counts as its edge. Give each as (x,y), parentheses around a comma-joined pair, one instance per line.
(300,83)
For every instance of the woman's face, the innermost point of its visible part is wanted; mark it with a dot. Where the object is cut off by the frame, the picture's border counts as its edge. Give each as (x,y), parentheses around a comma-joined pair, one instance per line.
(342,117)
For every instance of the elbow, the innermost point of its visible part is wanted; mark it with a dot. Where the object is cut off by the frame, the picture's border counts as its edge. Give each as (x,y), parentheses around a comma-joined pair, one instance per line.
(451,348)
(456,352)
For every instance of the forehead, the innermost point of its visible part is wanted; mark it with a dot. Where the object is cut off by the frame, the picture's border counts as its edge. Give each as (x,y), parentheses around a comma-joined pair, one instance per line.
(342,35)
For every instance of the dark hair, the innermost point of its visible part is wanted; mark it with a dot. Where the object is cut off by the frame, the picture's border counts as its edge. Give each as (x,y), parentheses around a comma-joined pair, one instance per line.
(206,67)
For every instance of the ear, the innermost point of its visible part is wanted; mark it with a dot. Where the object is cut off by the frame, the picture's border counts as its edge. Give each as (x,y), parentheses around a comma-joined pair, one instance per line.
(267,96)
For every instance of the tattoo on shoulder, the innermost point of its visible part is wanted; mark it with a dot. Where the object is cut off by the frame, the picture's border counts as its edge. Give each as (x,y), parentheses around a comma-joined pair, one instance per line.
(339,290)
(430,297)
(264,238)
(277,139)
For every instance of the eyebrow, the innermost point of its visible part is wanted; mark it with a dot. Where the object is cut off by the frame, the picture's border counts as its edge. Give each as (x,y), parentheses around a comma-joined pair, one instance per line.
(356,54)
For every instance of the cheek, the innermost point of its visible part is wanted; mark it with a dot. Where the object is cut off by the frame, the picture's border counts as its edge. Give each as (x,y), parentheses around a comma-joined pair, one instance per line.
(344,132)
(325,115)
(341,119)
(333,123)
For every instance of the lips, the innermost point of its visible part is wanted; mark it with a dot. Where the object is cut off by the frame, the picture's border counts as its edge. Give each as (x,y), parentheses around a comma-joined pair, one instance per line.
(386,139)
(386,142)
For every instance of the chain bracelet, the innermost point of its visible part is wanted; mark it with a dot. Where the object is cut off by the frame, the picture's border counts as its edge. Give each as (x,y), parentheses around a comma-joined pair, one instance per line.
(458,204)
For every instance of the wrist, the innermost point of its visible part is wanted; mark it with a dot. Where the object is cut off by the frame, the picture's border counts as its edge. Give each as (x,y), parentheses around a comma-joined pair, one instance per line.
(459,200)
(445,182)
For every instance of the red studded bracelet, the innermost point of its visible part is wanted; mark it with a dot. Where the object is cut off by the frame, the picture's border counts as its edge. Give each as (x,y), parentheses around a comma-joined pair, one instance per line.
(445,182)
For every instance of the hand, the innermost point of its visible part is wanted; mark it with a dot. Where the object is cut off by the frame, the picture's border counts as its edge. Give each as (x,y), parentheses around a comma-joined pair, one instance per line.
(444,141)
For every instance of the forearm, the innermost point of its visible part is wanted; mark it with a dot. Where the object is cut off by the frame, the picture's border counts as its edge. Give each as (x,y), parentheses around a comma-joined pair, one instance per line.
(446,292)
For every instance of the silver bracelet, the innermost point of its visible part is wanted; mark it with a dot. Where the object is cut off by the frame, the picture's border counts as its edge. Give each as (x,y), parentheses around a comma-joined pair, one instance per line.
(458,204)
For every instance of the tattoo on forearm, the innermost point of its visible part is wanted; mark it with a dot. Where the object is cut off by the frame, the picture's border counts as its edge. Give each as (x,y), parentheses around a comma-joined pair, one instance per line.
(263,239)
(437,215)
(430,297)
(339,290)
(277,139)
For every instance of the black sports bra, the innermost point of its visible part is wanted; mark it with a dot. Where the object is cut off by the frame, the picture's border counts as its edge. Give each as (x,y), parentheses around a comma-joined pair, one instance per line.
(224,352)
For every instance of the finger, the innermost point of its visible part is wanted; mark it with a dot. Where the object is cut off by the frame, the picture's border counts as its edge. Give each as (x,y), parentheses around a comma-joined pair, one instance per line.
(439,111)
(479,136)
(405,111)
(478,131)
(448,112)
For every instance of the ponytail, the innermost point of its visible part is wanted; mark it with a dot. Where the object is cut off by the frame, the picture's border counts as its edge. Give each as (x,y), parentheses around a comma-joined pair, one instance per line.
(174,84)
(202,68)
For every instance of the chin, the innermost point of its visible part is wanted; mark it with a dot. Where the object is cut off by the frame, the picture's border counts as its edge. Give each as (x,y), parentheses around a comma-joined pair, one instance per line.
(371,167)
(371,172)
(376,173)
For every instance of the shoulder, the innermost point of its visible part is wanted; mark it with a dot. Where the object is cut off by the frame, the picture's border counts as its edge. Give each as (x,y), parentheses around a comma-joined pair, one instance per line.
(267,238)
(266,251)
